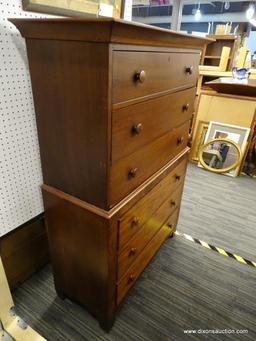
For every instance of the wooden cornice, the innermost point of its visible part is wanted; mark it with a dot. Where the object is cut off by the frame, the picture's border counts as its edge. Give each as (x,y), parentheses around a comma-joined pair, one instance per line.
(106,30)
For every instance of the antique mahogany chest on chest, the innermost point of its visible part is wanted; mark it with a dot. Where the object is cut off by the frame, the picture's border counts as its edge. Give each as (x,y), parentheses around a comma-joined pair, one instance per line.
(113,104)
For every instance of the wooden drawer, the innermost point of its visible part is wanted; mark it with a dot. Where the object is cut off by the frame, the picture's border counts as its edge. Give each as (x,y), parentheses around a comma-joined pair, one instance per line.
(148,230)
(134,219)
(129,172)
(141,73)
(139,124)
(173,219)
(142,260)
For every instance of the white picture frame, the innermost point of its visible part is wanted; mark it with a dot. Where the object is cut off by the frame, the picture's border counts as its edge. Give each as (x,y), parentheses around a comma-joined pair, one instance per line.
(235,133)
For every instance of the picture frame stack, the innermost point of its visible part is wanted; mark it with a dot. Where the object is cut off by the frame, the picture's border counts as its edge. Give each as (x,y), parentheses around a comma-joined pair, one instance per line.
(94,8)
(208,131)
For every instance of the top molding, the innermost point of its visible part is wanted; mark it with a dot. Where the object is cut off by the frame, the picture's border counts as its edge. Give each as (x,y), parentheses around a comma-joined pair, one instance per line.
(106,30)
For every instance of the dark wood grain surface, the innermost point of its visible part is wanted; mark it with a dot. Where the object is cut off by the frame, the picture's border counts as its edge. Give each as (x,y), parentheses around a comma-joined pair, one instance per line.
(80,78)
(107,30)
(24,251)
(83,245)
(134,247)
(71,104)
(74,122)
(134,197)
(132,221)
(140,263)
(83,254)
(152,119)
(145,161)
(163,71)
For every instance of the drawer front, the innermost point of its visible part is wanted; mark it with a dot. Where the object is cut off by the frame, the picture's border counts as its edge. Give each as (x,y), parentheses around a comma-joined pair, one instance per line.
(143,259)
(173,219)
(134,219)
(139,124)
(129,172)
(138,74)
(148,230)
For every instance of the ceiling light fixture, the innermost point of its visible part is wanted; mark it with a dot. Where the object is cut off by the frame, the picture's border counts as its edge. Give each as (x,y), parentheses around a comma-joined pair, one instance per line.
(250,12)
(198,13)
(227,5)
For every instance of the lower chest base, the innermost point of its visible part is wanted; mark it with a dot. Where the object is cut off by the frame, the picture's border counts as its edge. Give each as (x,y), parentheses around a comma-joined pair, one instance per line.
(98,255)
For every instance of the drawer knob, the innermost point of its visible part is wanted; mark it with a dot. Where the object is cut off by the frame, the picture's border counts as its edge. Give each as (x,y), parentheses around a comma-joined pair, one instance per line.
(185,107)
(135,221)
(189,69)
(131,278)
(173,203)
(140,76)
(180,140)
(170,225)
(132,173)
(133,251)
(137,128)
(177,177)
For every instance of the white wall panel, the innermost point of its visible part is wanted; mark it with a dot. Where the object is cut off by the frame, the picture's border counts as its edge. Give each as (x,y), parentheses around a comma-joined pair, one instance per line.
(20,169)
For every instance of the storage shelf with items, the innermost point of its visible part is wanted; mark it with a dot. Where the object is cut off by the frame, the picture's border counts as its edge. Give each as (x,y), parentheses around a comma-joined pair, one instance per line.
(212,52)
(218,56)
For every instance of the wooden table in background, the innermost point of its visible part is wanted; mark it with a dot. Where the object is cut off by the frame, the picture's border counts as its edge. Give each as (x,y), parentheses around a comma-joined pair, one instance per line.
(245,87)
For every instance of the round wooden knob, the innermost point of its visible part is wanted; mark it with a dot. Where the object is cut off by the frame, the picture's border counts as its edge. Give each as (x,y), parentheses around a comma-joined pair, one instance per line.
(140,76)
(180,140)
(189,69)
(177,177)
(133,251)
(170,225)
(185,107)
(137,128)
(173,203)
(132,173)
(135,221)
(131,278)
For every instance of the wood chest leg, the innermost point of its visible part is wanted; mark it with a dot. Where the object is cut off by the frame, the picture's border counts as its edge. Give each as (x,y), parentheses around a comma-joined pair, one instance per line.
(107,323)
(61,295)
(59,292)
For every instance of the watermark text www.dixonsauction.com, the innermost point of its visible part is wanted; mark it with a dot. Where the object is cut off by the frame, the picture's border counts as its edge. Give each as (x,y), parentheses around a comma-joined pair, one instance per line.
(216,331)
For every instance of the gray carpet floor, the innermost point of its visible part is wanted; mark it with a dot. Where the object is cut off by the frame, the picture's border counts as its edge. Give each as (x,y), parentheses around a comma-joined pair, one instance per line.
(220,210)
(185,286)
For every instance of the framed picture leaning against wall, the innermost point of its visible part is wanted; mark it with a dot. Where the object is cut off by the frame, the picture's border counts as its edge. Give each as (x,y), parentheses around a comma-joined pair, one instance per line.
(110,8)
(239,135)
